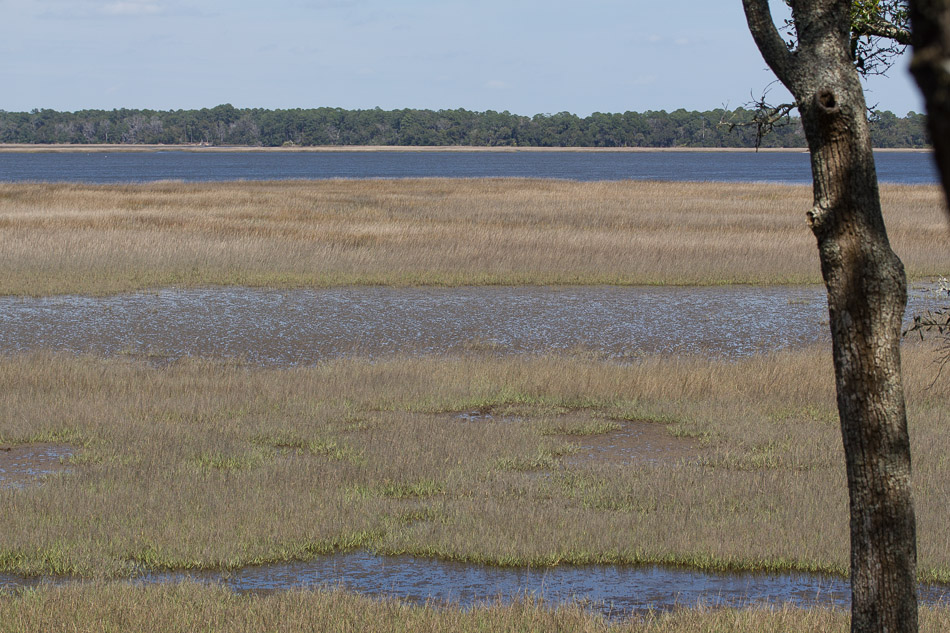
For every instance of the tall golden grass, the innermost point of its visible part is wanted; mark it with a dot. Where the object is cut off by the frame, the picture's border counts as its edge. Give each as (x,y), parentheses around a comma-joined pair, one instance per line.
(58,238)
(209,465)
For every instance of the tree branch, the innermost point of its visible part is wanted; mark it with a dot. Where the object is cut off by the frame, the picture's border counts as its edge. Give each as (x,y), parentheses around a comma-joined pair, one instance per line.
(767,38)
(764,118)
(879,27)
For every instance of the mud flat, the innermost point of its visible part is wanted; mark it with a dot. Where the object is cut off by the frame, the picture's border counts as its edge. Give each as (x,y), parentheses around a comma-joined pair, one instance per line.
(304,327)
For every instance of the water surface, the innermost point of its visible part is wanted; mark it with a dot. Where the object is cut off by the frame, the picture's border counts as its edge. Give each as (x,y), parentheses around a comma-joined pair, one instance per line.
(745,166)
(28,464)
(303,327)
(615,591)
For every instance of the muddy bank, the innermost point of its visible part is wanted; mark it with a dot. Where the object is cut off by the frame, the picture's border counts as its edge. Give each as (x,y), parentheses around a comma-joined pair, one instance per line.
(635,442)
(304,327)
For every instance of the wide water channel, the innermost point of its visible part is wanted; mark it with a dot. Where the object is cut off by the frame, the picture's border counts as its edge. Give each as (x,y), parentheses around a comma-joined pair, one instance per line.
(791,166)
(302,327)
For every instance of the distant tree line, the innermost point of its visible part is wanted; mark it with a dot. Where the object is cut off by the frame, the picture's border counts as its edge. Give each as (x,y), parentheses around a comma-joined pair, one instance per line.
(227,125)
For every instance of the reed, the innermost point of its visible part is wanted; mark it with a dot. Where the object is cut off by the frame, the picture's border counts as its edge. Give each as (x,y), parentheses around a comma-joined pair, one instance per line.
(68,238)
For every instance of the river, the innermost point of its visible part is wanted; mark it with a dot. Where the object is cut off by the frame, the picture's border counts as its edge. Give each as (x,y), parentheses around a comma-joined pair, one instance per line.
(208,165)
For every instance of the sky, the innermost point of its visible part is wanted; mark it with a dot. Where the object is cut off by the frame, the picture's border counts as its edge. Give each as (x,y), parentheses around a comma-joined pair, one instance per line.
(523,56)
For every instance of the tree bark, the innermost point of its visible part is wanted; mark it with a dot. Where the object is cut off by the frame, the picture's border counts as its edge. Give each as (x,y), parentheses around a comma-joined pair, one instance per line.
(867,294)
(930,21)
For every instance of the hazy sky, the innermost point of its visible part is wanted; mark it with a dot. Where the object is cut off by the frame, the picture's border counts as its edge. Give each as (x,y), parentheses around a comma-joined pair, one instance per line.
(524,56)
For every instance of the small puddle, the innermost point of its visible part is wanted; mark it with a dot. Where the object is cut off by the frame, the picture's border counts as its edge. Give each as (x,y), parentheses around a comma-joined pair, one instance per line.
(304,327)
(637,442)
(22,466)
(11,582)
(475,416)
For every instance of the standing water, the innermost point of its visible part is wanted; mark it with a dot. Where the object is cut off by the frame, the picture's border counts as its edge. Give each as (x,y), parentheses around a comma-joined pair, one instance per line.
(303,327)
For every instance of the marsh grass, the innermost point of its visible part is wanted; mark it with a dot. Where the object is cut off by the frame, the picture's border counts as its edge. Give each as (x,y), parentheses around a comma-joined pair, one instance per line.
(578,428)
(201,464)
(70,238)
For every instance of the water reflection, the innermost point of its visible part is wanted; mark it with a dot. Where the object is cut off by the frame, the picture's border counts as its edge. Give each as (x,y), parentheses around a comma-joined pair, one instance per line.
(613,590)
(303,327)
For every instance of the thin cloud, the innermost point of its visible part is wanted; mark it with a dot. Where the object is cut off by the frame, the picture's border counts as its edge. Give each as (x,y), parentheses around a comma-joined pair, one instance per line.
(328,4)
(104,8)
(131,7)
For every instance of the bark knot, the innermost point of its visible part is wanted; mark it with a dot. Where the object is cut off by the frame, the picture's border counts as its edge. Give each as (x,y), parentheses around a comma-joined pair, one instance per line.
(816,217)
(827,102)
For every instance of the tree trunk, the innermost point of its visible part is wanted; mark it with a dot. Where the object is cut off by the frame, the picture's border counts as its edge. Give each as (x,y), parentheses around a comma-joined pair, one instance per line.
(931,68)
(867,294)
(866,299)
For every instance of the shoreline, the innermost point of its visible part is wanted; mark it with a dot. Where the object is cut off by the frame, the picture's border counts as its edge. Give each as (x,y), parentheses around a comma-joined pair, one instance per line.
(101,148)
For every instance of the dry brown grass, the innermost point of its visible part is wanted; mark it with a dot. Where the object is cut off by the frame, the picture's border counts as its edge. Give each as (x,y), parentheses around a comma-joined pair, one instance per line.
(187,608)
(57,238)
(209,465)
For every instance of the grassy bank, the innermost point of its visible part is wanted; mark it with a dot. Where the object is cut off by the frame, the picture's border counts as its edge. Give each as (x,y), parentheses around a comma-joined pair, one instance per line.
(205,465)
(61,238)
(189,607)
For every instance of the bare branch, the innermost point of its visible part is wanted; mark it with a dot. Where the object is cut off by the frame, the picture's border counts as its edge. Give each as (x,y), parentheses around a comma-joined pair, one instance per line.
(765,118)
(934,322)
